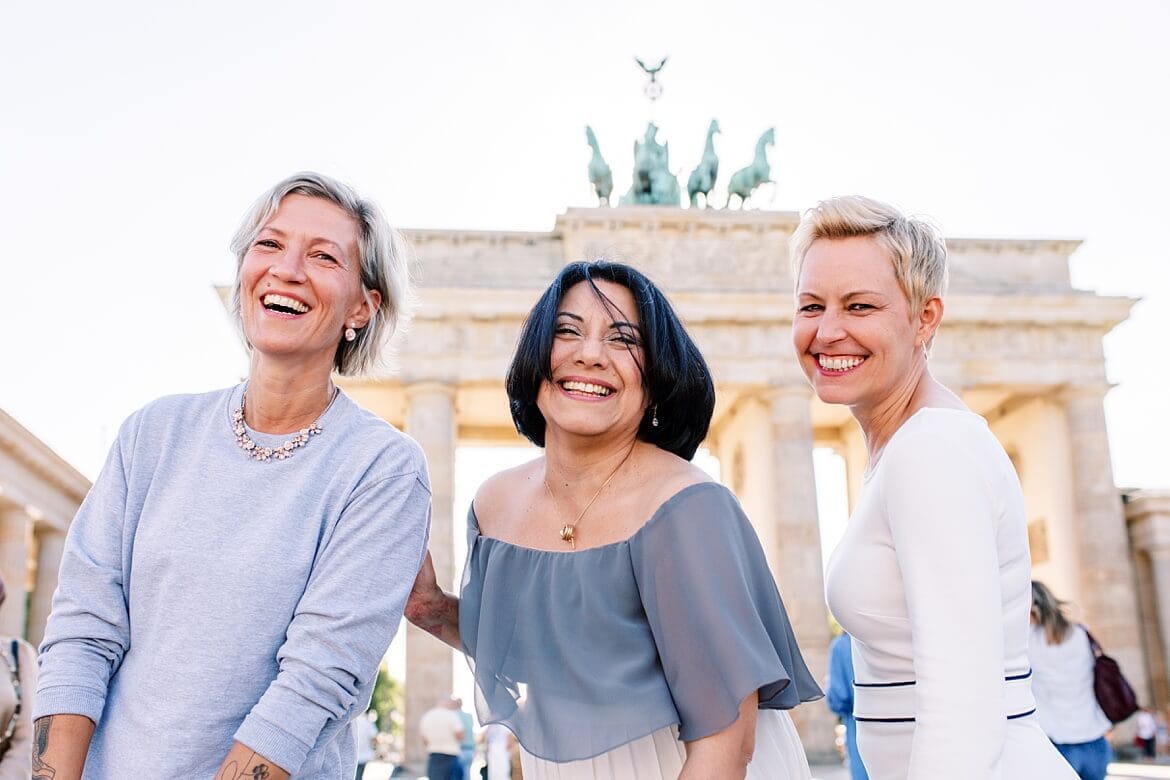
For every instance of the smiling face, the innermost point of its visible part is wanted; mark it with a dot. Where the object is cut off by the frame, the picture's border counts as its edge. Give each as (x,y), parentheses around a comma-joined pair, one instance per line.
(853,331)
(596,386)
(300,282)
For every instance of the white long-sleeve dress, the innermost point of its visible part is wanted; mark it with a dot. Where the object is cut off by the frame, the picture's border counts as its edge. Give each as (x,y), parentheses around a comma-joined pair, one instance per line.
(932,579)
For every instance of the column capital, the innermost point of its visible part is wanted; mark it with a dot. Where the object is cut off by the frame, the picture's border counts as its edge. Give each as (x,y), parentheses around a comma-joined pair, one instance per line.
(1088,391)
(429,387)
(776,392)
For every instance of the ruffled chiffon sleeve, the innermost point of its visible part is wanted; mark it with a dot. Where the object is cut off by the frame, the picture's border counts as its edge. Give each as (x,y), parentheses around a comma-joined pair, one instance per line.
(715,612)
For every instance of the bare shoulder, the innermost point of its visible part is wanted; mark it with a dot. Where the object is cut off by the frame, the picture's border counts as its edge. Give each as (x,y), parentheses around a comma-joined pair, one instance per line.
(501,494)
(667,474)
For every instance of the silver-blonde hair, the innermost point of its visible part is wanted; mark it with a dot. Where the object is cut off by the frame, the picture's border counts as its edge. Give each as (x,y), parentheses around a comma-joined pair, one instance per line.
(384,263)
(916,247)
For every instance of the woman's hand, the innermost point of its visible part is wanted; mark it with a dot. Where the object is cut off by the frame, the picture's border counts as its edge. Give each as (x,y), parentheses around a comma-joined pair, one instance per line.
(432,610)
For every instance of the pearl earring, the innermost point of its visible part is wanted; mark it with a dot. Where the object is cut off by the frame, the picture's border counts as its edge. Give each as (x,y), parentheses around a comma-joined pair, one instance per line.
(350,333)
(654,416)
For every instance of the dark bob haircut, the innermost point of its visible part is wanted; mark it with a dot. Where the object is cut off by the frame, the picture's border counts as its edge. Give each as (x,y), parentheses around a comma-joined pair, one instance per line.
(675,377)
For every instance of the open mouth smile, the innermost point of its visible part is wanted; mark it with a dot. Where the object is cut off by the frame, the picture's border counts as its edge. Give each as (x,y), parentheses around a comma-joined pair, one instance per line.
(838,365)
(586,388)
(282,304)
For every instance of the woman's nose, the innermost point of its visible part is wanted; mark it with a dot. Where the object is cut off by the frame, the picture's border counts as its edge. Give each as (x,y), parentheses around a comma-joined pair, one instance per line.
(289,265)
(591,350)
(830,327)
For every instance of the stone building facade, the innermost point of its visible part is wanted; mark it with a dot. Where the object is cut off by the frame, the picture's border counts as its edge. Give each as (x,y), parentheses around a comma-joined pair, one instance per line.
(39,494)
(1019,343)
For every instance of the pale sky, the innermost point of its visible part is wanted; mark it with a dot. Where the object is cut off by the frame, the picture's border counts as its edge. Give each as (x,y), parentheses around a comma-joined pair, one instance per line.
(136,134)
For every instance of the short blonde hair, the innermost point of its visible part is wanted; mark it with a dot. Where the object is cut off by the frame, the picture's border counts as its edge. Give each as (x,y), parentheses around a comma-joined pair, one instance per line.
(384,262)
(916,247)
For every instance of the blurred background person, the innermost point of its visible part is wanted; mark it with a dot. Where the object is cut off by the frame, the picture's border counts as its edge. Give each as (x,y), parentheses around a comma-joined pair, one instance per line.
(499,744)
(18,685)
(1062,681)
(839,697)
(467,745)
(1147,733)
(441,730)
(365,735)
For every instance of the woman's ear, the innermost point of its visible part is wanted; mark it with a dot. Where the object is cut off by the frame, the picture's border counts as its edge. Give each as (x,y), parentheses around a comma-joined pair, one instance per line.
(929,318)
(364,309)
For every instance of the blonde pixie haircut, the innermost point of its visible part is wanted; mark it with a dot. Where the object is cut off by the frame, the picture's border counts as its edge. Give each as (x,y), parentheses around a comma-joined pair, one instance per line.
(915,247)
(384,263)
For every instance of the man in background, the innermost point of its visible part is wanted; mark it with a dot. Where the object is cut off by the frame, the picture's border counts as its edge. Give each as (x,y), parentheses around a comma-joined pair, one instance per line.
(441,729)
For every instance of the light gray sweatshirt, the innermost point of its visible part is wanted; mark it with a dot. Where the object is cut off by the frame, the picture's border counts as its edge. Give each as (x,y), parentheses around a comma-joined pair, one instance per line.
(206,597)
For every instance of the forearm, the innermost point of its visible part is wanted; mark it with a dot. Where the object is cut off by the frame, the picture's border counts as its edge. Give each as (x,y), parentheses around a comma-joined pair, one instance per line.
(243,763)
(439,617)
(60,744)
(727,753)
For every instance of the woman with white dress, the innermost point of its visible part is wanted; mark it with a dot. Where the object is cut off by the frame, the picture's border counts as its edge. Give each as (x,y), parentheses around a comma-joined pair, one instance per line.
(932,576)
(1062,680)
(617,606)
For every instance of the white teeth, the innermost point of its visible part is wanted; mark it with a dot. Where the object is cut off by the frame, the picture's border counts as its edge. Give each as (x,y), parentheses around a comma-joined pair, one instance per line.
(586,387)
(272,299)
(839,363)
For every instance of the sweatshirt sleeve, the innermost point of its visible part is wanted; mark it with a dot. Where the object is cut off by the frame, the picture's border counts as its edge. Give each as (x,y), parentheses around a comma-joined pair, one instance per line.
(88,631)
(350,610)
(942,509)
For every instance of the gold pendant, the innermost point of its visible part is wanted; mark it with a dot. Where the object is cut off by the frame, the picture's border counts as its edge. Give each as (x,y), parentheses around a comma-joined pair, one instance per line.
(567,535)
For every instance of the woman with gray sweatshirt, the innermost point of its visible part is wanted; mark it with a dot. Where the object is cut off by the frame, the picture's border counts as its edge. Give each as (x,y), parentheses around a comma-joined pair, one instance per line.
(233,579)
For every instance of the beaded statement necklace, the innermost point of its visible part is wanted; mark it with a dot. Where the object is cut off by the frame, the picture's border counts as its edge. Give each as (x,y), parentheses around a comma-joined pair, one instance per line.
(284,451)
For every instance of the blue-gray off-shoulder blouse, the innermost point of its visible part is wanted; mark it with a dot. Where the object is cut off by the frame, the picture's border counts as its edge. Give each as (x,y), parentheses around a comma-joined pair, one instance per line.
(579,652)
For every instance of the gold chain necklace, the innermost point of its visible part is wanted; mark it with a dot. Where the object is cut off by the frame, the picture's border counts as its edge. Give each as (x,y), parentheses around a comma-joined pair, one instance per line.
(569,530)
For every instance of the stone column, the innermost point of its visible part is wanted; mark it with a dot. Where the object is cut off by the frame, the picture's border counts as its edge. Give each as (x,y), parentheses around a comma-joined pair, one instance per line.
(1160,579)
(1148,516)
(14,522)
(797,551)
(50,546)
(430,420)
(1107,577)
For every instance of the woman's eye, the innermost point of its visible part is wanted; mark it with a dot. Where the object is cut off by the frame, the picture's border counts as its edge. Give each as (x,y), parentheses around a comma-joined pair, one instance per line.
(627,339)
(860,306)
(328,258)
(564,330)
(811,308)
(267,242)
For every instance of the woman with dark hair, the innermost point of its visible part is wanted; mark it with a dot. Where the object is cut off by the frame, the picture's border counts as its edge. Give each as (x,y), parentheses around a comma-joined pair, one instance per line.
(616,602)
(1062,681)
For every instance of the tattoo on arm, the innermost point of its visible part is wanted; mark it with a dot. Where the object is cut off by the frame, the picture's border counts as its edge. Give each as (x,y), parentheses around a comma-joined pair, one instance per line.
(41,770)
(232,771)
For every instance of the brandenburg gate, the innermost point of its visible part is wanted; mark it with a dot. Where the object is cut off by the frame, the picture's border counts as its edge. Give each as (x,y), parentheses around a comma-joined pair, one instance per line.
(1020,344)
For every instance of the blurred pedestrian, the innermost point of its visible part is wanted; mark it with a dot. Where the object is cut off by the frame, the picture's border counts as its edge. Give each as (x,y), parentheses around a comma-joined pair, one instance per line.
(18,684)
(1062,682)
(840,699)
(1147,733)
(364,735)
(467,745)
(441,729)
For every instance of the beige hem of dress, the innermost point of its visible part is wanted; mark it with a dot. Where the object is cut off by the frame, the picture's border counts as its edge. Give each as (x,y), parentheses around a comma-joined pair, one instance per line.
(660,756)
